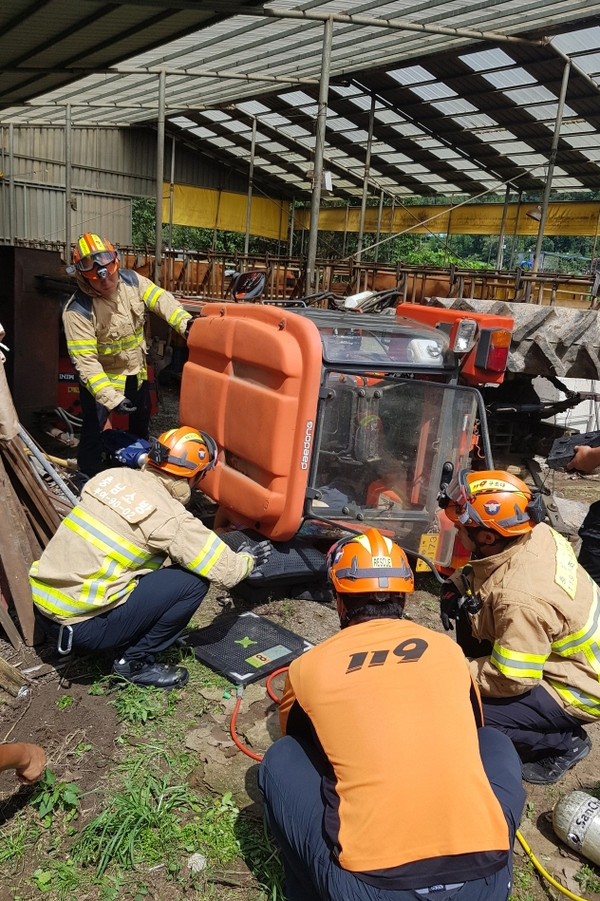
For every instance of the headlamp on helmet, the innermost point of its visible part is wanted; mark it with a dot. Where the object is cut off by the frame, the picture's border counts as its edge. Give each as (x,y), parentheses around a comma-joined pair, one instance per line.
(492,499)
(183,452)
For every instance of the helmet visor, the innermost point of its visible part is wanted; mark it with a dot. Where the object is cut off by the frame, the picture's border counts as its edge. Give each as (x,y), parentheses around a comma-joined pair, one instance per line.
(100,258)
(456,503)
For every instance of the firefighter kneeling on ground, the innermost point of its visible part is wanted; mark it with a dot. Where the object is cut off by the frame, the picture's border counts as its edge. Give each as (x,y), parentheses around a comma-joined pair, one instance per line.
(101,584)
(527,614)
(386,784)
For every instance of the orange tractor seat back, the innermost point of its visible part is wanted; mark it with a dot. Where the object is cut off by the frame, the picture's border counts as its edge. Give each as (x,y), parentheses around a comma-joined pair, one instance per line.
(262,365)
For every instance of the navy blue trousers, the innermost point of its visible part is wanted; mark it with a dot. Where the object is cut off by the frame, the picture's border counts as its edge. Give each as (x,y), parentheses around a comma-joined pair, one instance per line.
(90,451)
(290,783)
(151,619)
(534,721)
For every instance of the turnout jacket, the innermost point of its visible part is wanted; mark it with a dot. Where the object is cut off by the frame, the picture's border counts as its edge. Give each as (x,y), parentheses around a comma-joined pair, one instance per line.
(126,525)
(540,610)
(105,335)
(394,711)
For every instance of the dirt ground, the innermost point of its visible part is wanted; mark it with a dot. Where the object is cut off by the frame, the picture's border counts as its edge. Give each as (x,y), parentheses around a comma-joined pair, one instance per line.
(91,722)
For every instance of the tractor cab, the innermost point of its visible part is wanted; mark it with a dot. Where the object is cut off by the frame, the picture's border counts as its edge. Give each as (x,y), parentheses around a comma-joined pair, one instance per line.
(329,420)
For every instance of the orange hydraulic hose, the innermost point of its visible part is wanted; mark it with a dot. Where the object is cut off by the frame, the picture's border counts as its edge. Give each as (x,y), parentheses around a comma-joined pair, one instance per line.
(240,692)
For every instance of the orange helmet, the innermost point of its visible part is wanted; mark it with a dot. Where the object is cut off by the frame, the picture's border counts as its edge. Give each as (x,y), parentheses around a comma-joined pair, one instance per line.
(491,499)
(183,452)
(369,563)
(94,258)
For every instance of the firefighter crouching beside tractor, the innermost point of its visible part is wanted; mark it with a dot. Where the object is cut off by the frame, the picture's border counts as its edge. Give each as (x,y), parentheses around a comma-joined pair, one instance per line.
(365,793)
(100,583)
(533,611)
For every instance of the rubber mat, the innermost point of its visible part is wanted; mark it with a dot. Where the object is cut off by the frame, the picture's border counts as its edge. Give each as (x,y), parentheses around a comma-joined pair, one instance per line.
(290,561)
(247,648)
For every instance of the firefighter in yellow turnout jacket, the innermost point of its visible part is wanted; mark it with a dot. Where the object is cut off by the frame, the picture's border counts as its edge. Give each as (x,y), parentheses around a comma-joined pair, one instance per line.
(104,327)
(534,614)
(101,583)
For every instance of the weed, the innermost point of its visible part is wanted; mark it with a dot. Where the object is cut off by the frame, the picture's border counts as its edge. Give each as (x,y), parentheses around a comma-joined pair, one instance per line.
(97,688)
(51,796)
(81,749)
(138,705)
(64,702)
(522,874)
(262,857)
(15,842)
(60,877)
(529,810)
(142,824)
(588,879)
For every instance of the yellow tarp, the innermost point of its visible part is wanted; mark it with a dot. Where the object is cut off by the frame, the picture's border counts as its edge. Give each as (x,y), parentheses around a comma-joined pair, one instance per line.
(475,219)
(226,211)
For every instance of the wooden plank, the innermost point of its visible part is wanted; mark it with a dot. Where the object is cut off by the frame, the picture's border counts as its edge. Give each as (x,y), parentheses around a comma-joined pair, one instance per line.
(34,495)
(12,633)
(16,556)
(11,680)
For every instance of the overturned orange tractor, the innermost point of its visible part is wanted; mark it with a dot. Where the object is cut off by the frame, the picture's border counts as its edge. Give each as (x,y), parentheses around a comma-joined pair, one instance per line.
(332,420)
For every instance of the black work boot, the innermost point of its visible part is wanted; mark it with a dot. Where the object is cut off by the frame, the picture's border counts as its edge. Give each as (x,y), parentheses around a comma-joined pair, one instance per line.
(150,674)
(550,769)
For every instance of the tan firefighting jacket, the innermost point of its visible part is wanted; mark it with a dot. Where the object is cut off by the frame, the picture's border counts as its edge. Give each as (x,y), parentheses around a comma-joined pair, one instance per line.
(105,335)
(126,525)
(540,610)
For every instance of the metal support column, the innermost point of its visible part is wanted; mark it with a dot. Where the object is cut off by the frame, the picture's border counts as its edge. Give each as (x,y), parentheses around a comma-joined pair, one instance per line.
(363,204)
(68,189)
(171,212)
(160,168)
(12,208)
(291,227)
(250,185)
(379,215)
(500,251)
(551,165)
(315,201)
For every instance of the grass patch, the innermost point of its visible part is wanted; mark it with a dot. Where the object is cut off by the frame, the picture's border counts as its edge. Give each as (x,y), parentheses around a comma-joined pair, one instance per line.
(151,820)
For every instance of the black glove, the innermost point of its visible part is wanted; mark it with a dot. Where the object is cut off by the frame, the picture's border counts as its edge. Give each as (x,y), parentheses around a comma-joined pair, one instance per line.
(260,552)
(451,600)
(125,407)
(188,326)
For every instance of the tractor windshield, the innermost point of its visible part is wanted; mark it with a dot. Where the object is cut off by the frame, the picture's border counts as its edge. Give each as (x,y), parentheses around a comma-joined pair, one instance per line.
(379,454)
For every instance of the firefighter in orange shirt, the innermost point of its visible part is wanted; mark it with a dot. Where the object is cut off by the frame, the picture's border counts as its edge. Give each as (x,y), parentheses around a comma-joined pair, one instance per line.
(383,744)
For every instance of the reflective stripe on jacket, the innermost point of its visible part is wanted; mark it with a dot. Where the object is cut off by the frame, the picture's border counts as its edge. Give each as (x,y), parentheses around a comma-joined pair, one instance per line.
(105,335)
(541,610)
(125,526)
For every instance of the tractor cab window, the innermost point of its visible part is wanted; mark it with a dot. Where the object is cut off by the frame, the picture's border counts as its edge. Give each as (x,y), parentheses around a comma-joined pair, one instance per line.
(380,449)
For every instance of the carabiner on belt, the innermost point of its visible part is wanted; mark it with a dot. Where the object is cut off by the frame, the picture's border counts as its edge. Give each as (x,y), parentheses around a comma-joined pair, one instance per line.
(59,644)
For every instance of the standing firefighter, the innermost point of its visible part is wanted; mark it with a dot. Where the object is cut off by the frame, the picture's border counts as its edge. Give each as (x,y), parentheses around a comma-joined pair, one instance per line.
(104,326)
(386,784)
(535,611)
(101,584)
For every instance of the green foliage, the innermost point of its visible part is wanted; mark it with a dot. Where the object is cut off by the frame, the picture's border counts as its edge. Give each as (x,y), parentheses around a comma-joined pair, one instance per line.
(138,705)
(588,879)
(64,702)
(262,856)
(143,823)
(52,796)
(59,877)
(15,841)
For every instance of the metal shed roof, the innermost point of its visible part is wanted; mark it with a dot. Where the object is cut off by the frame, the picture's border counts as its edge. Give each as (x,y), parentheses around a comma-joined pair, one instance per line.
(461,95)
